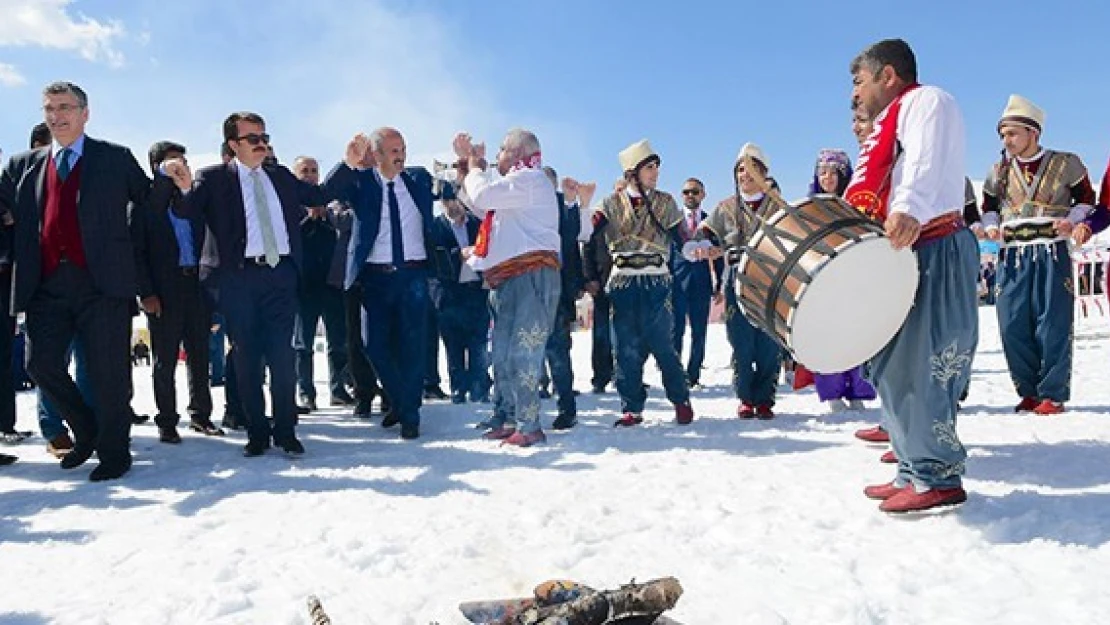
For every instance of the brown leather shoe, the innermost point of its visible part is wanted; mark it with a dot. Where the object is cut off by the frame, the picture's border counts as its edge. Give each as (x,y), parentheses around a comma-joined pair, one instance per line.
(60,445)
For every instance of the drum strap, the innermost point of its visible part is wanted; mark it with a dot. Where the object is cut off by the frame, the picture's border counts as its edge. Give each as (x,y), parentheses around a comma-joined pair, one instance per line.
(801,249)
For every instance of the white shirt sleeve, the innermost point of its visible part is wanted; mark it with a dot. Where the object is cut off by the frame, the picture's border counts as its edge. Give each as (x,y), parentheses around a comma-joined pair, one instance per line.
(931,135)
(486,194)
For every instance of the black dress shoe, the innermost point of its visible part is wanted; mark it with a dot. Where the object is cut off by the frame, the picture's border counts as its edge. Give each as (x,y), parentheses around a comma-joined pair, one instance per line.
(205,426)
(110,470)
(291,447)
(564,421)
(363,409)
(138,419)
(255,448)
(432,391)
(341,400)
(391,419)
(410,432)
(5,459)
(168,434)
(77,457)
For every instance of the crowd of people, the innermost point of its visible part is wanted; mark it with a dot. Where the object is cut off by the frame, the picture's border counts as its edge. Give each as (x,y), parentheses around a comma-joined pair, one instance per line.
(265,253)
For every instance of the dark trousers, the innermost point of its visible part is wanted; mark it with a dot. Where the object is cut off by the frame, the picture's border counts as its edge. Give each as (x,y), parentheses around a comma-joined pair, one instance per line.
(464,326)
(692,304)
(756,357)
(394,327)
(65,306)
(431,362)
(321,301)
(557,354)
(259,304)
(185,321)
(1036,311)
(363,377)
(216,346)
(7,330)
(601,354)
(642,326)
(233,403)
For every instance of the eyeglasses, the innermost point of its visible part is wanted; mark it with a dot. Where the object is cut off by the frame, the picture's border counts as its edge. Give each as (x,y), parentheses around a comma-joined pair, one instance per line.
(255,139)
(691,192)
(64,109)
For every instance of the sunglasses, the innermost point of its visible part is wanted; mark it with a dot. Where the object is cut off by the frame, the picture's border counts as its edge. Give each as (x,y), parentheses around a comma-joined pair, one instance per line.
(255,139)
(691,192)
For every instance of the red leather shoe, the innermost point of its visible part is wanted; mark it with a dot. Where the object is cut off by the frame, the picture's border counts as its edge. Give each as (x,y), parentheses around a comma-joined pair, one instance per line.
(883,491)
(684,413)
(873,435)
(889,458)
(909,500)
(745,411)
(628,420)
(1049,407)
(1028,404)
(763,411)
(520,439)
(499,433)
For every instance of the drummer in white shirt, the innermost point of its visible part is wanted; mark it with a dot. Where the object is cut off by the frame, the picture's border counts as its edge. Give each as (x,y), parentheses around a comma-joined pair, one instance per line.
(518,250)
(918,141)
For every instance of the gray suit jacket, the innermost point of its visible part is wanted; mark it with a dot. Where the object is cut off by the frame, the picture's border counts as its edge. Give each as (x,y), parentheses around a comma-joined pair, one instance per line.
(111,179)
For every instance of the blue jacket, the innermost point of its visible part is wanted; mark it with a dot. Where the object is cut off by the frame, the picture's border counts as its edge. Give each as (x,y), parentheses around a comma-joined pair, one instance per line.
(692,276)
(363,193)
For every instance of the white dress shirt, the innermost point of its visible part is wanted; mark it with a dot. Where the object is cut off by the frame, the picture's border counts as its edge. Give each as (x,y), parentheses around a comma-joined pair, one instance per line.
(273,203)
(526,218)
(928,177)
(412,225)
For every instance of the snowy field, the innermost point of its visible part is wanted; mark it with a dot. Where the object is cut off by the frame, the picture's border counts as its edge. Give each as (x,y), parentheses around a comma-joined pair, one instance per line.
(762,522)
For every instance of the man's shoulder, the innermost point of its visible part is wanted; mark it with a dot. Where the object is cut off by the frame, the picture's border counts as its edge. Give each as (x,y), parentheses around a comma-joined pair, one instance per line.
(26,158)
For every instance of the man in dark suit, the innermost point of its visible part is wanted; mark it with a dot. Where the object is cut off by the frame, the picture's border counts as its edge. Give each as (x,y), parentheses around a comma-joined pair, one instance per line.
(693,288)
(461,301)
(389,255)
(320,296)
(167,252)
(74,271)
(253,212)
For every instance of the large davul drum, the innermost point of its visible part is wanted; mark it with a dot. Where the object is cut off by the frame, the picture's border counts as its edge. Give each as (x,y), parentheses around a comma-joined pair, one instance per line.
(823,279)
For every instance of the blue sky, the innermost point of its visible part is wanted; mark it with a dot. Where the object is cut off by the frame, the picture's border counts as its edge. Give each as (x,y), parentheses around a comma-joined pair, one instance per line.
(590,77)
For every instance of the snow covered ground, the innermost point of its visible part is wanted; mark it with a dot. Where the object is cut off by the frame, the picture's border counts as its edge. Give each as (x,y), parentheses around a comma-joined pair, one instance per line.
(763,522)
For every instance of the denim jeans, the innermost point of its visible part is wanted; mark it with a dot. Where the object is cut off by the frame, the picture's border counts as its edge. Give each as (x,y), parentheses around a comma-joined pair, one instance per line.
(523,314)
(922,371)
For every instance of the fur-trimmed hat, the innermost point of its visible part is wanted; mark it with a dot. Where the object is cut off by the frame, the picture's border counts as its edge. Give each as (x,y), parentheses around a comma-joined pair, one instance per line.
(635,155)
(753,151)
(1020,111)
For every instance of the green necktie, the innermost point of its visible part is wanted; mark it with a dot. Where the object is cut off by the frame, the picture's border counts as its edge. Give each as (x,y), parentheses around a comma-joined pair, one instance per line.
(262,208)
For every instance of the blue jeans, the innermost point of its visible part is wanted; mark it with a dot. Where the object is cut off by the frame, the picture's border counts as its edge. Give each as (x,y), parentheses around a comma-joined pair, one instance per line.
(756,357)
(464,324)
(523,314)
(51,423)
(643,325)
(394,333)
(1035,315)
(922,371)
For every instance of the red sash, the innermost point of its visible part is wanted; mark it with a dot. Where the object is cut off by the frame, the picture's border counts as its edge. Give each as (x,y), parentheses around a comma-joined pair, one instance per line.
(869,190)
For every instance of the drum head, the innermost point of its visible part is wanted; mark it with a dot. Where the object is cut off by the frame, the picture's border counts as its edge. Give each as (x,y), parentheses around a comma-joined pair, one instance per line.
(855,305)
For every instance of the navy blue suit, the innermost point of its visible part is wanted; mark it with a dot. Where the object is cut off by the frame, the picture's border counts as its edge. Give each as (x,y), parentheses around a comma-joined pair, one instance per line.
(463,310)
(691,297)
(395,299)
(258,302)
